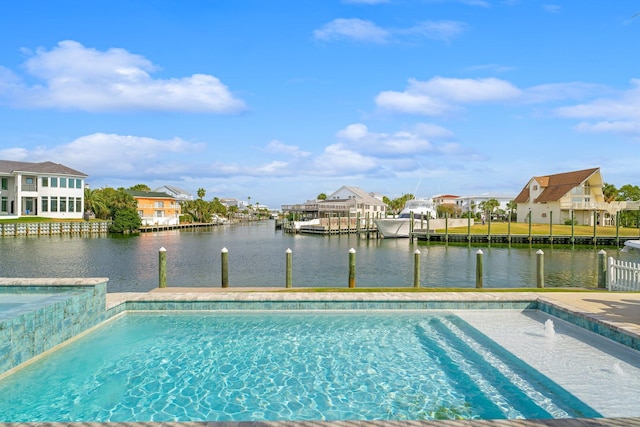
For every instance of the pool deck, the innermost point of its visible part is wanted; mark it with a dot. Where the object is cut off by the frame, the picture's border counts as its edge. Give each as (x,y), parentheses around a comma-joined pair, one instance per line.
(621,310)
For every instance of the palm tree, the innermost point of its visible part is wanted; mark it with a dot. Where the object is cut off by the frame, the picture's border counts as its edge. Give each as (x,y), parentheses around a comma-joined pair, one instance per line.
(201,193)
(512,206)
(94,202)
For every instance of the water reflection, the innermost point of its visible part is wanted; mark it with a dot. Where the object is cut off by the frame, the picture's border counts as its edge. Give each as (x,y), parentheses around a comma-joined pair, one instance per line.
(257,258)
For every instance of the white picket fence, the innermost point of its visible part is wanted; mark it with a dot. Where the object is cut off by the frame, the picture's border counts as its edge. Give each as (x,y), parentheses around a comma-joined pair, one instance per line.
(623,275)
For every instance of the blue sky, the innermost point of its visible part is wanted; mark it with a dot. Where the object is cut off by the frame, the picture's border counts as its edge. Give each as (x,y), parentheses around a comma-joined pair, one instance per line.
(281,100)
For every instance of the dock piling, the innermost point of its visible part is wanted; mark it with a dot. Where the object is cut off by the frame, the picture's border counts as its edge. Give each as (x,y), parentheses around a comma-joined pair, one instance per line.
(352,268)
(162,268)
(224,258)
(288,256)
(540,268)
(602,269)
(479,268)
(416,268)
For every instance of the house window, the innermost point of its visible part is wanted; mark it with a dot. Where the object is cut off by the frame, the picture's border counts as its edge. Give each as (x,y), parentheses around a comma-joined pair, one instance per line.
(45,204)
(78,183)
(140,214)
(535,188)
(78,204)
(45,181)
(544,215)
(71,204)
(54,203)
(63,182)
(158,204)
(54,181)
(71,183)
(3,204)
(159,214)
(5,184)
(63,204)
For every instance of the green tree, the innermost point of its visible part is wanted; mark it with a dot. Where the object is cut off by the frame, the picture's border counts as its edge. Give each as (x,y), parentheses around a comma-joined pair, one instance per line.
(610,192)
(140,187)
(322,196)
(629,192)
(512,206)
(490,206)
(395,206)
(125,220)
(94,202)
(449,209)
(217,207)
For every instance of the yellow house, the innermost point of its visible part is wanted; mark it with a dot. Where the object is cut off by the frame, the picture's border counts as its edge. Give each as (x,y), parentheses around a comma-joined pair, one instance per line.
(156,208)
(560,197)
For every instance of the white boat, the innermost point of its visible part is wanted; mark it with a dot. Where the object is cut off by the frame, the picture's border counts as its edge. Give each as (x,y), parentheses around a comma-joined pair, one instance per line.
(632,244)
(401,225)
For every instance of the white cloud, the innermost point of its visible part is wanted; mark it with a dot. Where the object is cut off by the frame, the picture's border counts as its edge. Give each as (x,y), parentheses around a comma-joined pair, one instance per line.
(439,30)
(618,113)
(367,31)
(354,29)
(358,138)
(290,150)
(353,132)
(338,160)
(624,128)
(551,8)
(77,77)
(622,107)
(559,91)
(111,155)
(440,95)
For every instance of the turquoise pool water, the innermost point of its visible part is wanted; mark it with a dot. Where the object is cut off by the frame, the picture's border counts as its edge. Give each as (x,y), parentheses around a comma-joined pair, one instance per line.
(283,366)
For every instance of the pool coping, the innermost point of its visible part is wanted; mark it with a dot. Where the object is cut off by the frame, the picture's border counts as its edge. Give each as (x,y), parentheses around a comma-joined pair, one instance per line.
(614,315)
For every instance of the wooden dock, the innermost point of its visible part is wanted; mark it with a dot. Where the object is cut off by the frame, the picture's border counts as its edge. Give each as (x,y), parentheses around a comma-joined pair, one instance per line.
(185,226)
(333,226)
(523,239)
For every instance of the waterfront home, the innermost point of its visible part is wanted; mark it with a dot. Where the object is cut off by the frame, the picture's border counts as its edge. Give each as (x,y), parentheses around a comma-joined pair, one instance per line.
(559,197)
(347,201)
(473,203)
(44,189)
(156,208)
(178,193)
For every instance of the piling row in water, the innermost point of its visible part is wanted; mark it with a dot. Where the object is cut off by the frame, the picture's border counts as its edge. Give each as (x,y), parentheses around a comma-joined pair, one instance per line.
(224,261)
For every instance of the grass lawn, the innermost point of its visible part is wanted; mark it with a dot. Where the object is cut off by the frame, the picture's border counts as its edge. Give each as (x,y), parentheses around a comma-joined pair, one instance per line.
(542,229)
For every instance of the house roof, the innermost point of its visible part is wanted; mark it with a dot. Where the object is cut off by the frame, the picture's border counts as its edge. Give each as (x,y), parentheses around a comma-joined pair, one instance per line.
(10,166)
(173,189)
(555,186)
(362,195)
(150,195)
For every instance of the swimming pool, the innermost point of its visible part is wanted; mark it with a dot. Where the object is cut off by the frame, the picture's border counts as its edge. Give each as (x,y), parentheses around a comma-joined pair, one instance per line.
(12,305)
(322,366)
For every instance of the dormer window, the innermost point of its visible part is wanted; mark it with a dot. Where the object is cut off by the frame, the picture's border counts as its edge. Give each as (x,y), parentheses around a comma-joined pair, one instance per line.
(535,188)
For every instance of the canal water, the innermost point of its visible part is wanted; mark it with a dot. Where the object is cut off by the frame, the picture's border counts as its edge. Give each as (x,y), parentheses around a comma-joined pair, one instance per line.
(257,259)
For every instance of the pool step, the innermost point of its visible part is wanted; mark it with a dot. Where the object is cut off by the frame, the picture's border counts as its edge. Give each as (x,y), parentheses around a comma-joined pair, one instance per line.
(521,392)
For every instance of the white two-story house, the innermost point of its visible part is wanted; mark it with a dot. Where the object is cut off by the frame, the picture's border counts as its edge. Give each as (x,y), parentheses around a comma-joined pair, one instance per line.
(43,189)
(562,196)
